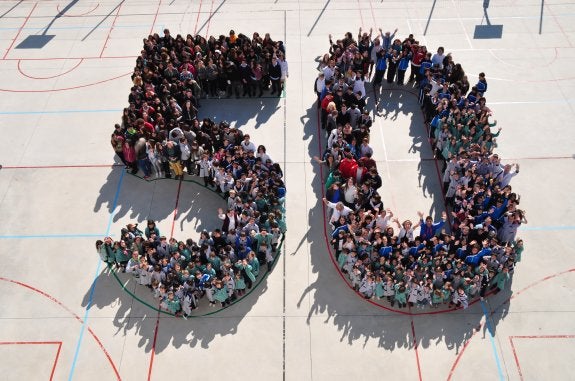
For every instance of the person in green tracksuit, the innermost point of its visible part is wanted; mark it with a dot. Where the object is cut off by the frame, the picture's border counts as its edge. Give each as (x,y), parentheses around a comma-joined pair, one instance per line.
(240,284)
(518,250)
(221,293)
(436,298)
(172,303)
(400,295)
(379,289)
(246,270)
(263,246)
(105,251)
(342,259)
(122,255)
(498,282)
(254,263)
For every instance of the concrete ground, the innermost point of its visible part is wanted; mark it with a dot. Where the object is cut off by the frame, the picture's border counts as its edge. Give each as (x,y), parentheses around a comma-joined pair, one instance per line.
(64,317)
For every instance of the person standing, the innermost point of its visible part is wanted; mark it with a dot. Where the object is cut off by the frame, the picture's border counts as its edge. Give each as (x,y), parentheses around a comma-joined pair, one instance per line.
(275,73)
(174,154)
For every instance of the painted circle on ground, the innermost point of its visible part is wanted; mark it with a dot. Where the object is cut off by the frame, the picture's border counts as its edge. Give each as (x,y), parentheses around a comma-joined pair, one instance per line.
(61,305)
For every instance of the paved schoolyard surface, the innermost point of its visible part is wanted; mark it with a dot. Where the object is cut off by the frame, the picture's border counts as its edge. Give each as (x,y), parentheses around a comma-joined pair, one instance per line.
(59,192)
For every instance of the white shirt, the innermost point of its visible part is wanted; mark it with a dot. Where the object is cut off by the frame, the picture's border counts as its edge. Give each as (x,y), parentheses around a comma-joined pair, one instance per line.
(338,213)
(185,150)
(248,146)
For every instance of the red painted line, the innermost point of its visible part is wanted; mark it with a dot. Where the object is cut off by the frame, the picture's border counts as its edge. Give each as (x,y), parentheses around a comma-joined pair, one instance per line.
(20,31)
(111,28)
(209,19)
(415,347)
(176,208)
(456,362)
(63,166)
(58,343)
(80,15)
(198,17)
(155,17)
(56,361)
(79,319)
(28,342)
(565,35)
(516,358)
(50,77)
(66,88)
(152,355)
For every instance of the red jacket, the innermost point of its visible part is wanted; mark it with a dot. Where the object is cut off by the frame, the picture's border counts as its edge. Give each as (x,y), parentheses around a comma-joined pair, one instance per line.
(326,101)
(348,167)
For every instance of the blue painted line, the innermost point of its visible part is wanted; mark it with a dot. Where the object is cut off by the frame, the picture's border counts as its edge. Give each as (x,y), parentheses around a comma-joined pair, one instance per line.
(34,236)
(491,338)
(58,112)
(547,228)
(95,281)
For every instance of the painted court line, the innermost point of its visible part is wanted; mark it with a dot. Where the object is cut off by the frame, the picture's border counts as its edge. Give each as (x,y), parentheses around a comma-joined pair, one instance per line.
(492,340)
(19,31)
(95,281)
(516,358)
(58,343)
(157,328)
(59,303)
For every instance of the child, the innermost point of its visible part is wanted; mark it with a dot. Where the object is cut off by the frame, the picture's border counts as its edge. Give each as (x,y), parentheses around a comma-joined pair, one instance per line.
(379,287)
(355,278)
(367,287)
(240,284)
(424,297)
(231,285)
(122,255)
(221,292)
(172,303)
(276,235)
(342,259)
(155,288)
(189,302)
(400,295)
(161,294)
(349,262)
(145,274)
(133,265)
(499,280)
(447,294)
(413,292)
(389,290)
(518,250)
(436,298)
(472,286)
(460,298)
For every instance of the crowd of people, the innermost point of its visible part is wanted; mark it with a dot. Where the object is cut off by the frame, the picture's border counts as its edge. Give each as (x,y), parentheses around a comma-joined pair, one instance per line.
(162,136)
(472,248)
